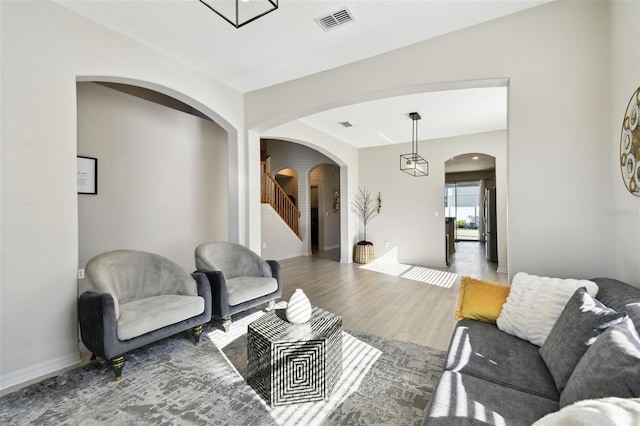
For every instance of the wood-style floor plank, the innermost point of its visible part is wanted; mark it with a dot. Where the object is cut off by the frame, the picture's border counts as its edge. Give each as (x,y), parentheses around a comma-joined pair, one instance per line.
(387,305)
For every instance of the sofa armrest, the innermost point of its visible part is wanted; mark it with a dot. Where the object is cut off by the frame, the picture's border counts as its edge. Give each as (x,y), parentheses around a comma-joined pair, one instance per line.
(98,323)
(219,293)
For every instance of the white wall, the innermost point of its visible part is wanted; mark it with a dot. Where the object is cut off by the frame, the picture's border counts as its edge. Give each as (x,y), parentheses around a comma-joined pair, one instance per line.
(623,212)
(163,184)
(412,215)
(279,241)
(45,50)
(556,59)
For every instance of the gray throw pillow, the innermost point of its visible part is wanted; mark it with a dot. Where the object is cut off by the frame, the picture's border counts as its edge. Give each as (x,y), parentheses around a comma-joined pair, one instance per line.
(610,367)
(581,321)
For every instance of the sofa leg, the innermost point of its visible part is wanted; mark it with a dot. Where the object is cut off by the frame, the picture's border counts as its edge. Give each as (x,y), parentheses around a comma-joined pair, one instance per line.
(271,306)
(197,332)
(226,324)
(117,364)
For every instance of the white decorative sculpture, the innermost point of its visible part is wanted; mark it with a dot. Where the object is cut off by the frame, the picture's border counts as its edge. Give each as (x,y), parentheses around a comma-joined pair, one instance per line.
(299,308)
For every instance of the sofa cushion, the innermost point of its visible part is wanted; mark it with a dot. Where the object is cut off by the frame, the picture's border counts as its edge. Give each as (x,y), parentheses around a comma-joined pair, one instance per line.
(535,303)
(144,315)
(481,350)
(621,297)
(466,400)
(610,367)
(480,300)
(241,289)
(582,320)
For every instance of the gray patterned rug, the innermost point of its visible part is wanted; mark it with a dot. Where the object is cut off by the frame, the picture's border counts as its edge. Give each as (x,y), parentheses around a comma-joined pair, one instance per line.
(172,382)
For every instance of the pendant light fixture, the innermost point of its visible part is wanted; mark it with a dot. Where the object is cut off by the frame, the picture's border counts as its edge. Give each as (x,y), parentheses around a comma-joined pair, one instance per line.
(412,163)
(241,12)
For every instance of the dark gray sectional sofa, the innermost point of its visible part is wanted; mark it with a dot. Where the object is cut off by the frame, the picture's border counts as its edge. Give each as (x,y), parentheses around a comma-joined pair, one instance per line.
(491,377)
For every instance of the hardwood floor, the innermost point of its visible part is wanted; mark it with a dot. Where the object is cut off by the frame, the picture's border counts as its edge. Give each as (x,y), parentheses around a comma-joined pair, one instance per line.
(384,304)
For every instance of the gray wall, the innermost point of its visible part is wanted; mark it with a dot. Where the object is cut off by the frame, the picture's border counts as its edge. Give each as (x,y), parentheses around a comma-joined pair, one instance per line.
(162,177)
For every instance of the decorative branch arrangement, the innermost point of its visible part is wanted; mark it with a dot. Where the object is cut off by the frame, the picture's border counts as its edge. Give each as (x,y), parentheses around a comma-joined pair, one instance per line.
(365,208)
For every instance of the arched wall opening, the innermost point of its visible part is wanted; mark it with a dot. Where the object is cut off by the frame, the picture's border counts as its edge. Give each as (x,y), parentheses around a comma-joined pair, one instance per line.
(495,150)
(295,154)
(357,171)
(156,155)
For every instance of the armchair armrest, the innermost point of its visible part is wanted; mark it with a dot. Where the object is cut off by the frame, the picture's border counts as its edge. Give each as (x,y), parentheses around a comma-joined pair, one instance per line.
(276,272)
(204,291)
(219,293)
(98,323)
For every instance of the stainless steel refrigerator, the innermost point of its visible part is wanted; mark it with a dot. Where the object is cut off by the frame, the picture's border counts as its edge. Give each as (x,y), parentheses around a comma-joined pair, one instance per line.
(490,226)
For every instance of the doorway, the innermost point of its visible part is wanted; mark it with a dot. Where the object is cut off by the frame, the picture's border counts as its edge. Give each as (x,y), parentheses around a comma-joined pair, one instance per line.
(462,203)
(314,218)
(470,210)
(324,216)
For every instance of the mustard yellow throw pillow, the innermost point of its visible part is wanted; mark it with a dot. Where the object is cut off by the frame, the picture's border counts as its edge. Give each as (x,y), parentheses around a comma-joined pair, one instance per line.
(481,300)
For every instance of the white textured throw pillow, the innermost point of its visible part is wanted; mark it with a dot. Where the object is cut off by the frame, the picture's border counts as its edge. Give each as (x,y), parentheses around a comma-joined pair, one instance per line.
(535,303)
(596,412)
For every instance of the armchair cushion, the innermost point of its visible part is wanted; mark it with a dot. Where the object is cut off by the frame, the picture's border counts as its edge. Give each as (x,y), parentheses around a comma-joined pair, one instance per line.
(130,275)
(151,313)
(241,289)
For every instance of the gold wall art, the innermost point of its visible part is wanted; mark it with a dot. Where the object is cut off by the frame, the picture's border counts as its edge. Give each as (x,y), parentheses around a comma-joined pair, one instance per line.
(630,145)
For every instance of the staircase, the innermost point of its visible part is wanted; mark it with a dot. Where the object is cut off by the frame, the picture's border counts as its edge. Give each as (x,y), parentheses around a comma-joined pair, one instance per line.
(272,193)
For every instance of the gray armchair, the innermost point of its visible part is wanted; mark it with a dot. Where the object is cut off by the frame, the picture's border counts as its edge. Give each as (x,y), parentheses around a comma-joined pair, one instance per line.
(136,298)
(239,278)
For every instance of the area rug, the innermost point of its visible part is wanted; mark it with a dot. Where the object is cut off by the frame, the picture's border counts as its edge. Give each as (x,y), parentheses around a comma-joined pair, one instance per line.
(172,382)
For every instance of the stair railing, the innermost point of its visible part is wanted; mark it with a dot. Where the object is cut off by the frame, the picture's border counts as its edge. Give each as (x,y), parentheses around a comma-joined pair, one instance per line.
(272,193)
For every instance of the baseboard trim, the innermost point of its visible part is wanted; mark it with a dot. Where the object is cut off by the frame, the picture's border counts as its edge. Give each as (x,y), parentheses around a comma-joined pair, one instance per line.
(331,247)
(38,372)
(501,270)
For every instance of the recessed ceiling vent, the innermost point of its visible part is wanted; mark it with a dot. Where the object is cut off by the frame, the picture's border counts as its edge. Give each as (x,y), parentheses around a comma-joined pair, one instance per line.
(345,124)
(335,19)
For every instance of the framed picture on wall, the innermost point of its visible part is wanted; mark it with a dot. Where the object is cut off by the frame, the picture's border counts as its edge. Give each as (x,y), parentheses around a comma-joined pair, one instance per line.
(87,175)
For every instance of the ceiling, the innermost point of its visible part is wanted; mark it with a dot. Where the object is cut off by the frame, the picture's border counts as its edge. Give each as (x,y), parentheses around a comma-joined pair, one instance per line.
(443,114)
(288,43)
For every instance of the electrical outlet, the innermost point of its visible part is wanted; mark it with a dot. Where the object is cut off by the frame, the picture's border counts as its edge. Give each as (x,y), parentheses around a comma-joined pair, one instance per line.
(386,244)
(80,274)
(264,245)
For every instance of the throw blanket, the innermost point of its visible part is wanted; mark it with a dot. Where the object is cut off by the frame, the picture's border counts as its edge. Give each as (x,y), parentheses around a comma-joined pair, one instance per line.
(596,412)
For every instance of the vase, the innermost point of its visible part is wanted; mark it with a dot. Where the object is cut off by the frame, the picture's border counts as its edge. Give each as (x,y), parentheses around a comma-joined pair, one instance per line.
(299,308)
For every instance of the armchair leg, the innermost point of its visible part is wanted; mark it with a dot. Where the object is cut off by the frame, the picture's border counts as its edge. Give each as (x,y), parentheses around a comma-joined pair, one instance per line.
(226,324)
(117,364)
(271,306)
(197,332)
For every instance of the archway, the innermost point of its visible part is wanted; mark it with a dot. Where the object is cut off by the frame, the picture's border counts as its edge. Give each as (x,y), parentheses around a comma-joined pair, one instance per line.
(155,155)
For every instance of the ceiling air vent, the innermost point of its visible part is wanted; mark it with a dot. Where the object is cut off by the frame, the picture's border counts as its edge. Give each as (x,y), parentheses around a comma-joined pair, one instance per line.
(345,124)
(335,19)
